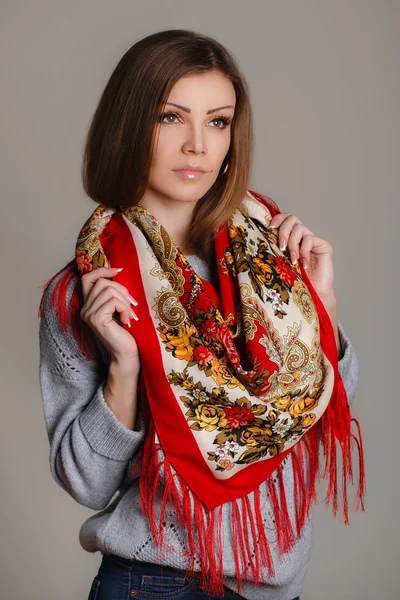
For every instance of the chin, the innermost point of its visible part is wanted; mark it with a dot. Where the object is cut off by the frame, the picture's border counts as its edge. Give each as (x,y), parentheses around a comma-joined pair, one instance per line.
(186,192)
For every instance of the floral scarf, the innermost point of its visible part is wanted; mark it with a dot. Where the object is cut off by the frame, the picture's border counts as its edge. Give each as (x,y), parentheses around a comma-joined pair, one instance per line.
(234,378)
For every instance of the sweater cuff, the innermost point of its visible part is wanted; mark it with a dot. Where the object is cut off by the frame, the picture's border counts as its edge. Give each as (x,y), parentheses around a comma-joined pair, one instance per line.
(105,433)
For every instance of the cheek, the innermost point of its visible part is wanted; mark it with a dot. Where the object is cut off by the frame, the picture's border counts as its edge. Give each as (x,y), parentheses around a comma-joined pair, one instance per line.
(165,150)
(169,138)
(218,145)
(170,143)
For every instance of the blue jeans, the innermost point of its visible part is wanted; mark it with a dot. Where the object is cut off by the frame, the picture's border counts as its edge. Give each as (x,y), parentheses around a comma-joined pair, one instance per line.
(120,578)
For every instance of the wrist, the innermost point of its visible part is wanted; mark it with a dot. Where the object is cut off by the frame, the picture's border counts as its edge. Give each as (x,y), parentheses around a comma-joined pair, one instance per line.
(125,369)
(121,392)
(330,302)
(122,385)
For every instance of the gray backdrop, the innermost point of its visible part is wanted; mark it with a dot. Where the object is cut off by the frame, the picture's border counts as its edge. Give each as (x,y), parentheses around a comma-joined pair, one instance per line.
(324,85)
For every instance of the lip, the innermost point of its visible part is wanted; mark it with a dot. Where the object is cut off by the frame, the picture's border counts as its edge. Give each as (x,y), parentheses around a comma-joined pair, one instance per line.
(189,173)
(190,168)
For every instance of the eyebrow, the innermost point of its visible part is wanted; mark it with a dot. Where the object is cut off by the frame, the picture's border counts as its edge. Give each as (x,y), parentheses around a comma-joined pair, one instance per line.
(208,112)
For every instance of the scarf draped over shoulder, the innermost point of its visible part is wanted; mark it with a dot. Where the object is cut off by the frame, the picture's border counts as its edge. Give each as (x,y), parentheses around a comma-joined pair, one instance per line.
(233,379)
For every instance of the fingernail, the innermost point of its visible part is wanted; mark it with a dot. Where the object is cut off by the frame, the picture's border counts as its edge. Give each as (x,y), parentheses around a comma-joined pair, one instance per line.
(293,257)
(305,265)
(129,325)
(119,269)
(282,244)
(132,300)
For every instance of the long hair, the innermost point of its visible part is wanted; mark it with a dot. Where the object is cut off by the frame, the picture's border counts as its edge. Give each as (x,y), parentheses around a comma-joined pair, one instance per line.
(121,138)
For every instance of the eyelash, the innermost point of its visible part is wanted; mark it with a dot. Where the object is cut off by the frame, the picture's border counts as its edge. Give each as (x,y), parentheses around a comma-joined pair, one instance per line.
(225,120)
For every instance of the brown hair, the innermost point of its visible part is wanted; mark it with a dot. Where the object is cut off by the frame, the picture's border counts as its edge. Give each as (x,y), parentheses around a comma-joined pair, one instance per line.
(121,137)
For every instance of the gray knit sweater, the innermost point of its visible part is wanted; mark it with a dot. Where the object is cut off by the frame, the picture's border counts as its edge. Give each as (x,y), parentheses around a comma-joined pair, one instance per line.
(92,453)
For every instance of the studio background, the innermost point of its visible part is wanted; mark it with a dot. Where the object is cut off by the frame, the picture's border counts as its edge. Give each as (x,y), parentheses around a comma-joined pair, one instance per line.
(324,86)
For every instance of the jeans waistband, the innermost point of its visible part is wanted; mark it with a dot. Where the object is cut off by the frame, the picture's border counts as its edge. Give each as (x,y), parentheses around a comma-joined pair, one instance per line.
(153,567)
(126,561)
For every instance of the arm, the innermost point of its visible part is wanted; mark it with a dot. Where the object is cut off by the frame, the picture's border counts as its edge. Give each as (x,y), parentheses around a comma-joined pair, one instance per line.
(331,307)
(348,365)
(90,448)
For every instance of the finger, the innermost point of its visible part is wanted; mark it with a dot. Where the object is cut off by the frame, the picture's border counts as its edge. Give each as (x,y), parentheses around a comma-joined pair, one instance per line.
(321,246)
(305,250)
(101,284)
(295,239)
(106,294)
(285,230)
(104,314)
(277,220)
(97,288)
(314,246)
(89,279)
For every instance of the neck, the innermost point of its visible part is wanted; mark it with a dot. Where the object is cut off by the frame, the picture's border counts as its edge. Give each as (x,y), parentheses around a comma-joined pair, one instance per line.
(174,215)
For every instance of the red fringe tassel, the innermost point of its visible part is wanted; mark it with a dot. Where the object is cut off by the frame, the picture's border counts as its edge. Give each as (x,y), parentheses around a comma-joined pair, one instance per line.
(68,314)
(250,545)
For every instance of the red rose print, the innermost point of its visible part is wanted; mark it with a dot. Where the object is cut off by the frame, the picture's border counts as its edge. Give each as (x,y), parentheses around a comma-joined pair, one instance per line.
(203,355)
(83,262)
(284,270)
(208,329)
(227,340)
(238,415)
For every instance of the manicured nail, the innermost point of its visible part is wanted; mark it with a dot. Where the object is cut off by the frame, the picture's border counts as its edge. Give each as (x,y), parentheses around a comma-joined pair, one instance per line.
(129,325)
(118,270)
(293,257)
(132,300)
(282,244)
(305,265)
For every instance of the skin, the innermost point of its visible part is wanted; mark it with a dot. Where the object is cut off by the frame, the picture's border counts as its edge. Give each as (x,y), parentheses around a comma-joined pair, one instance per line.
(195,138)
(315,254)
(199,139)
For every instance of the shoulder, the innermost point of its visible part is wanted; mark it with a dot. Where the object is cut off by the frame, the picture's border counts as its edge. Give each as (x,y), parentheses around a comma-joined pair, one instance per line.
(265,201)
(58,292)
(59,310)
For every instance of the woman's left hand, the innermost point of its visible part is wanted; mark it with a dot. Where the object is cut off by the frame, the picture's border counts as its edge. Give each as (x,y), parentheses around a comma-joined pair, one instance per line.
(314,253)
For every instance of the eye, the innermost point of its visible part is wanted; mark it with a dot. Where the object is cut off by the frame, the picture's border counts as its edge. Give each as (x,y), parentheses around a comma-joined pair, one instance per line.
(167,114)
(224,121)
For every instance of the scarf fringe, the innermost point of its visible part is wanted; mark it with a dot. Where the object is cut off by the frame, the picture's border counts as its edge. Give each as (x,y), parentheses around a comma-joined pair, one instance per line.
(250,544)
(68,313)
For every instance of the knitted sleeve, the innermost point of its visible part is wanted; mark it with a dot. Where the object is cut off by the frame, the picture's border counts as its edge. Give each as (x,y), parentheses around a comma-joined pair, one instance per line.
(90,449)
(348,365)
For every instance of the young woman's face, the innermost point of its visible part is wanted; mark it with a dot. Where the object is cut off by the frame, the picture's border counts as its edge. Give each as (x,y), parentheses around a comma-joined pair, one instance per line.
(195,133)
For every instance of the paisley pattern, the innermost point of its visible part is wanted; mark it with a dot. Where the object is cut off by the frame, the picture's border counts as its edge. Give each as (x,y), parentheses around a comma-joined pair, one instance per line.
(89,253)
(235,377)
(250,378)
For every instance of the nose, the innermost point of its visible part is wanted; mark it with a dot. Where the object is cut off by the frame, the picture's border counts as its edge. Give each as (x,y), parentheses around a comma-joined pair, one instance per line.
(195,141)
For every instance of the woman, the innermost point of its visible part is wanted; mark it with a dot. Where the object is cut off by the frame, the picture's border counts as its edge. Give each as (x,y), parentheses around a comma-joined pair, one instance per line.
(188,362)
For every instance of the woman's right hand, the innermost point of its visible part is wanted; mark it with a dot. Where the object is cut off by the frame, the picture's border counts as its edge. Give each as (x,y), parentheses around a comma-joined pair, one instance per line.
(102,298)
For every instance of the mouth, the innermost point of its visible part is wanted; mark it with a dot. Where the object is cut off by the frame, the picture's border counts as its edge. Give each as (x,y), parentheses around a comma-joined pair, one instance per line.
(190,168)
(189,173)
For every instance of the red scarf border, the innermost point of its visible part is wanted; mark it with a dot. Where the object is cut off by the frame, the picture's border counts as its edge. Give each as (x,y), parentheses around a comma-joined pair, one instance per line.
(203,521)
